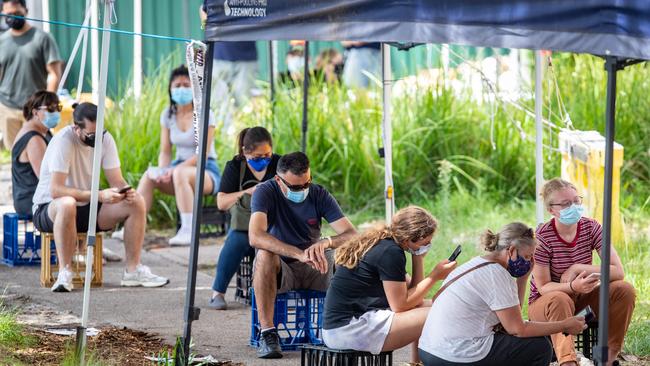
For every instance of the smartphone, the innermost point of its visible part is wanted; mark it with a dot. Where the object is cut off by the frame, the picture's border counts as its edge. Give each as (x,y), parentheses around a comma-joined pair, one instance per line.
(455,254)
(587,313)
(594,275)
(124,189)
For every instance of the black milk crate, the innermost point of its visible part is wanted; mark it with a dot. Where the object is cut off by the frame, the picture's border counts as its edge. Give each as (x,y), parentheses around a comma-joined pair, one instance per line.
(312,355)
(245,280)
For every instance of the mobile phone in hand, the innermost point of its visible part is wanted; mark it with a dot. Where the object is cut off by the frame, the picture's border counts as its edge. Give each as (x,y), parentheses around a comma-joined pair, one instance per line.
(594,276)
(124,189)
(587,313)
(455,254)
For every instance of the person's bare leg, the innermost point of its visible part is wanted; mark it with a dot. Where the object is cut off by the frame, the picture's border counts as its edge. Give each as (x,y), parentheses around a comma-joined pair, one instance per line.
(267,266)
(184,180)
(406,328)
(63,213)
(146,188)
(134,216)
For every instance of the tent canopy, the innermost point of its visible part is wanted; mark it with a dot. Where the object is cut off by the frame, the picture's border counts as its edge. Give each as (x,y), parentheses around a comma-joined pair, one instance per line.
(599,27)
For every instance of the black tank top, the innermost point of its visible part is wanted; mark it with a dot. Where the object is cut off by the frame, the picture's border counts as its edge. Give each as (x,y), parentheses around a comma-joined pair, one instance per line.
(23,178)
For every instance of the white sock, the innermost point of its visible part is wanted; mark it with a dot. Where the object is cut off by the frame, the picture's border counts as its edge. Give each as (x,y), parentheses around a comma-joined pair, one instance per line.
(186,221)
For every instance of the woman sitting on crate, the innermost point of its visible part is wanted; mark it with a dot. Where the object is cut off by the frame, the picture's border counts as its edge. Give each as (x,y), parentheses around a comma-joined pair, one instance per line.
(475,318)
(565,280)
(254,164)
(42,112)
(372,305)
(176,177)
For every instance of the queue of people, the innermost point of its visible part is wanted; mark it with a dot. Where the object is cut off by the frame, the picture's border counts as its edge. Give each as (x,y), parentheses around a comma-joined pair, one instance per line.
(372,303)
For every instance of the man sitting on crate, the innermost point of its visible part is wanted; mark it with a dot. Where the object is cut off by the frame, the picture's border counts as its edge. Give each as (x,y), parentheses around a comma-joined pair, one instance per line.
(61,201)
(285,228)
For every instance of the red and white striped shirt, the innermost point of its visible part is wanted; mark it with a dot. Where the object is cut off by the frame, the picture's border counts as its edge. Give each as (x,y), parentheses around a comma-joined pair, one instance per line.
(558,255)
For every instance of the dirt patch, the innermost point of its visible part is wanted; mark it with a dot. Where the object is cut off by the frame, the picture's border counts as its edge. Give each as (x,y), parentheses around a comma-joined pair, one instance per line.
(118,346)
(112,346)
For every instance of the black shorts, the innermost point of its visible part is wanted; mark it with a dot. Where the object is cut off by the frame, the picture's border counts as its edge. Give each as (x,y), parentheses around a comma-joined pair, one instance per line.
(44,224)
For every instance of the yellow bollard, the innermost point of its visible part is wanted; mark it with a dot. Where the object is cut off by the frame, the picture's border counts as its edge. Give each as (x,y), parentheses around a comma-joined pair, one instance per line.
(583,164)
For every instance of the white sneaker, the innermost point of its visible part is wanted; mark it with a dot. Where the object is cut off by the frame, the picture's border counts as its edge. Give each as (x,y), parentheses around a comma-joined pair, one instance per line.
(110,255)
(63,281)
(142,277)
(182,238)
(118,234)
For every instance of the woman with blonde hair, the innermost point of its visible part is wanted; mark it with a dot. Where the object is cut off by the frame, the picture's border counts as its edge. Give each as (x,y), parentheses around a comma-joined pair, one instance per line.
(475,318)
(565,280)
(372,305)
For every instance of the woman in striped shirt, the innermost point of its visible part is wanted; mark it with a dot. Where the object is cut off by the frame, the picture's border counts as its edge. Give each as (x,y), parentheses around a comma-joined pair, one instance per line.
(565,280)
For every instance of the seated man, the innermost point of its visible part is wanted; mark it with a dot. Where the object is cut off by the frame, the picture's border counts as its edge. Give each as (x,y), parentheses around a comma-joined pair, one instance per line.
(285,228)
(63,193)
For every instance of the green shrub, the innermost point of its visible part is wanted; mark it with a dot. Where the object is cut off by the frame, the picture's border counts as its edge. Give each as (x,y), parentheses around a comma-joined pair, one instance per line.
(487,147)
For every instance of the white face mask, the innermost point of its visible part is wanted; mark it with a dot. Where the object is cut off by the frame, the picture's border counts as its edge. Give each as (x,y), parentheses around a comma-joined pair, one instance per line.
(420,251)
(295,64)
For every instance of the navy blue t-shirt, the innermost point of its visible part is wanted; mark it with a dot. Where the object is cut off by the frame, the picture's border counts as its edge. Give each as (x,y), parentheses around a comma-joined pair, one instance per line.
(235,51)
(296,224)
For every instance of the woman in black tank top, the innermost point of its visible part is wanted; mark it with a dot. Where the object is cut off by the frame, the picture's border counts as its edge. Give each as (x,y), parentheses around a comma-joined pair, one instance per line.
(41,112)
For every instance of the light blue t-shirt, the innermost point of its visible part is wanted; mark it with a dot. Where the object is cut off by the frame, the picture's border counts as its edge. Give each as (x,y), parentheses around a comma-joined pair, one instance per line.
(184,140)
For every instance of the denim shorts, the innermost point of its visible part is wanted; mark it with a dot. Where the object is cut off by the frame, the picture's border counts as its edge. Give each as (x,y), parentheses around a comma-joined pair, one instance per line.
(212,169)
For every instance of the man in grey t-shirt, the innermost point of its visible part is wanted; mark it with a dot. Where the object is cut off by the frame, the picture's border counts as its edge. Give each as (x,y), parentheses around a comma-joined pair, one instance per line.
(29,62)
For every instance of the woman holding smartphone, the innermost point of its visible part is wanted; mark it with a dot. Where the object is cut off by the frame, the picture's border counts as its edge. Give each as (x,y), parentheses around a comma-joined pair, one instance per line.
(372,305)
(565,280)
(475,318)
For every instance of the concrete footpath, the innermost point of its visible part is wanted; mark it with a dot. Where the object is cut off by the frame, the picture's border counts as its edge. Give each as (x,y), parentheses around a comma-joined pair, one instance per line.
(223,334)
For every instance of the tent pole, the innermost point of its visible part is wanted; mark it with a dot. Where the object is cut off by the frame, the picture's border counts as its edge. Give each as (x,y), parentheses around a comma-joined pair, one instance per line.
(94,190)
(191,312)
(612,66)
(539,152)
(387,80)
(271,74)
(305,98)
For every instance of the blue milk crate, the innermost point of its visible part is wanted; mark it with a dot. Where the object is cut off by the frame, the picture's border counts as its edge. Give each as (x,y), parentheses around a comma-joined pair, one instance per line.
(297,317)
(20,244)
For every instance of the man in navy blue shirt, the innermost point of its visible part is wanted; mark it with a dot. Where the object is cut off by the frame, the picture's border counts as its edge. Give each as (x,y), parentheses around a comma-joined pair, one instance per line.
(285,228)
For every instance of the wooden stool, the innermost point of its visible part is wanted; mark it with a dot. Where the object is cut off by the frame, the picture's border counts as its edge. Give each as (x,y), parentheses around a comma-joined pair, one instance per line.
(78,269)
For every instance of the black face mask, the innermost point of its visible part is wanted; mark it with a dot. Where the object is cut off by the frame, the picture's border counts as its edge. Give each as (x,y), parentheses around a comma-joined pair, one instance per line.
(89,139)
(15,23)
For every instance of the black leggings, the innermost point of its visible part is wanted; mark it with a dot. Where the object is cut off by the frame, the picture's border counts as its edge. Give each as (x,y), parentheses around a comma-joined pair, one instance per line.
(506,350)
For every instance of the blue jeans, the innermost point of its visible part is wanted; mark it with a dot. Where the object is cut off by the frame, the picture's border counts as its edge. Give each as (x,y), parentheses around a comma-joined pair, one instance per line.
(234,249)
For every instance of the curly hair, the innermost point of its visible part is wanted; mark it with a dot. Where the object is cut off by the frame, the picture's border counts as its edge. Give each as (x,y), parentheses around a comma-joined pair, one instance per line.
(411,223)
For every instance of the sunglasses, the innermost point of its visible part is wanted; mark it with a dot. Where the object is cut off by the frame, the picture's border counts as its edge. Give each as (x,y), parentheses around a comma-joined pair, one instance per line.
(295,187)
(52,108)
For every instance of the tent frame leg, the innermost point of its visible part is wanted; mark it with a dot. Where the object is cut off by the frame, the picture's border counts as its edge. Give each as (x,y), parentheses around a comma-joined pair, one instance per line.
(191,313)
(612,66)
(305,99)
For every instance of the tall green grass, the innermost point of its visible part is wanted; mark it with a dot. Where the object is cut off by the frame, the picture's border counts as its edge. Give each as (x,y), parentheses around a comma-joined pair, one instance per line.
(487,147)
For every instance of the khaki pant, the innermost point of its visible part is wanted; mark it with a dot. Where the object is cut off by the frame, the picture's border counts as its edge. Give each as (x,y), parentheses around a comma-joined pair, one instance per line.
(558,305)
(11,120)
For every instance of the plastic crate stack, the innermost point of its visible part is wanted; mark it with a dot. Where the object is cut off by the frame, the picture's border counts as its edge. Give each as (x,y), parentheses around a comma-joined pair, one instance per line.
(319,355)
(245,280)
(297,317)
(21,245)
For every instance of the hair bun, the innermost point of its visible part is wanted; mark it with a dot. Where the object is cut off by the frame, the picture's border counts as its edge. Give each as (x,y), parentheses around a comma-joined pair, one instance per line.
(489,240)
(74,105)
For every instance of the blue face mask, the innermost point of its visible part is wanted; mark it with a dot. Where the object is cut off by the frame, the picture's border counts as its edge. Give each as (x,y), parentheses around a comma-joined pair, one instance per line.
(518,267)
(571,214)
(51,119)
(297,197)
(182,95)
(421,250)
(259,164)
